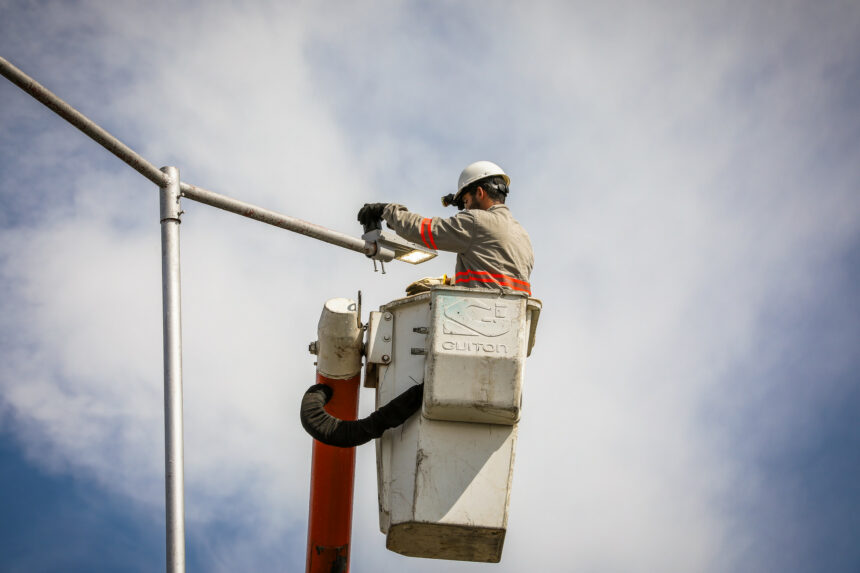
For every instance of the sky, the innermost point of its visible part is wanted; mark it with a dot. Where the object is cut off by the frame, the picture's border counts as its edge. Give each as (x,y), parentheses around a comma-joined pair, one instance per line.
(689,174)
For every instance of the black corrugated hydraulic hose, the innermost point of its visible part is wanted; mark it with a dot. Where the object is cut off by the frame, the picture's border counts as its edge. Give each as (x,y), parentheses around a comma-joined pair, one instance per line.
(333,431)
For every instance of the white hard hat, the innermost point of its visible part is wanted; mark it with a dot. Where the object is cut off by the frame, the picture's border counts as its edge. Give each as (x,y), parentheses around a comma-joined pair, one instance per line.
(479,170)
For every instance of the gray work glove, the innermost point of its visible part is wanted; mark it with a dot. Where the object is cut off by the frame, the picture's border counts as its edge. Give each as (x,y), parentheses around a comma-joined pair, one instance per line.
(424,285)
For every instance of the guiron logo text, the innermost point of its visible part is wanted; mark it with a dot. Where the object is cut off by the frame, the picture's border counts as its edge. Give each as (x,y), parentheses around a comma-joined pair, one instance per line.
(487,347)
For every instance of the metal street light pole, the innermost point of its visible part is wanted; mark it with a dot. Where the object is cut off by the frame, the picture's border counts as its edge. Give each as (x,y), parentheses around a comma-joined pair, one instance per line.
(174,480)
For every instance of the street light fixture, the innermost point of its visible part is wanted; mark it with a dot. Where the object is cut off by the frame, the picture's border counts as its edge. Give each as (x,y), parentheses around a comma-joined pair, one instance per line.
(381,245)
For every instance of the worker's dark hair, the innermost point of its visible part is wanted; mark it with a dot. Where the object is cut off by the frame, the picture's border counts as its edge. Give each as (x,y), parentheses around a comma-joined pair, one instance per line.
(495,188)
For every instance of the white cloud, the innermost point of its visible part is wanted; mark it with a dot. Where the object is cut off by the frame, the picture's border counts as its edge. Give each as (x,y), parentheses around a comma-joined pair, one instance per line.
(667,162)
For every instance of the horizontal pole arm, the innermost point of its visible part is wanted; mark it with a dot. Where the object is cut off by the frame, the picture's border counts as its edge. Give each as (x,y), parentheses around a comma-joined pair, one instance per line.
(278,220)
(82,122)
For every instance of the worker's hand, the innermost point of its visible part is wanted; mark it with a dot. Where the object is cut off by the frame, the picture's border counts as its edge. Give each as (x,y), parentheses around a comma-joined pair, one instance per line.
(370,215)
(424,285)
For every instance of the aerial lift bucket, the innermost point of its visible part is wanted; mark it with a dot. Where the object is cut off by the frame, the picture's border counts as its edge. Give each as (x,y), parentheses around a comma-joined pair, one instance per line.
(444,476)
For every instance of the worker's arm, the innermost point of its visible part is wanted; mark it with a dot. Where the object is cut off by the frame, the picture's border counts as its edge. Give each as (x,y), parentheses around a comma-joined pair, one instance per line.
(453,234)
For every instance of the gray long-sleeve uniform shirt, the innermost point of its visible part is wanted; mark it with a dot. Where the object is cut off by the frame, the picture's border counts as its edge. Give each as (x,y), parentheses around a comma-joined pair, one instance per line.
(493,250)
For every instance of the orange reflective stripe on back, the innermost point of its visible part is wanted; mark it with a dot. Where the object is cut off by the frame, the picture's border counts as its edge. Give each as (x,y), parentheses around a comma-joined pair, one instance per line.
(486,277)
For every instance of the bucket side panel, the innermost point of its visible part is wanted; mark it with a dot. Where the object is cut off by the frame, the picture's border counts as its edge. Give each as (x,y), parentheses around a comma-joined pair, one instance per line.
(477,351)
(462,473)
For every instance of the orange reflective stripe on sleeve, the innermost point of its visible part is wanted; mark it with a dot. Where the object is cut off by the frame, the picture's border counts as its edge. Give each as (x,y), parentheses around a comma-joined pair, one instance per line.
(427,233)
(486,277)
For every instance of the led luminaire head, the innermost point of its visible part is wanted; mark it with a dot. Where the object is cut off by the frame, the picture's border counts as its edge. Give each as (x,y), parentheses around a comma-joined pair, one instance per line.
(403,250)
(416,257)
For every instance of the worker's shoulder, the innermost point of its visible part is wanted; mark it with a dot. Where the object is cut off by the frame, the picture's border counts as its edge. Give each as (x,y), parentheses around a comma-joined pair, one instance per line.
(493,215)
(499,209)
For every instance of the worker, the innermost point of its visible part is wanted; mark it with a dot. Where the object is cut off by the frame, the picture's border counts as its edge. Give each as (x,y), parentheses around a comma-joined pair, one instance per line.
(493,250)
